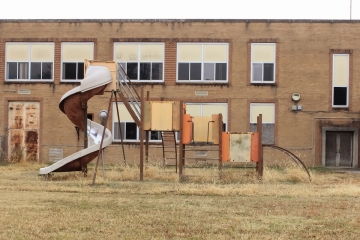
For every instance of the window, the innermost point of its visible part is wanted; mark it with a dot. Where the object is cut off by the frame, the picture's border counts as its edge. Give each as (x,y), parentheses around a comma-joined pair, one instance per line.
(208,109)
(72,59)
(141,61)
(263,62)
(340,80)
(129,129)
(206,62)
(268,120)
(29,61)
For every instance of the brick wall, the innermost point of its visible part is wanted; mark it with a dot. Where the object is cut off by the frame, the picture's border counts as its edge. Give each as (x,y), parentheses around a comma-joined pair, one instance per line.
(303,64)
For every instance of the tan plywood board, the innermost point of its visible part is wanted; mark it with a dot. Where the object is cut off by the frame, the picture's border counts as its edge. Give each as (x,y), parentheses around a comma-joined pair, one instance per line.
(161,116)
(201,129)
(240,147)
(147,116)
(215,128)
(176,115)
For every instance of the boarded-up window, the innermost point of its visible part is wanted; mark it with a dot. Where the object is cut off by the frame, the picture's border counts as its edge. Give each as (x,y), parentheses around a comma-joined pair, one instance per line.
(23,138)
(268,120)
(340,80)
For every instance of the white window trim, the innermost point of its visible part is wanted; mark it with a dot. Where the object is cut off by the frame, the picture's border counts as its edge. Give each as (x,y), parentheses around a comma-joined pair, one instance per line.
(208,103)
(251,65)
(138,61)
(61,68)
(114,121)
(263,104)
(202,63)
(30,80)
(332,83)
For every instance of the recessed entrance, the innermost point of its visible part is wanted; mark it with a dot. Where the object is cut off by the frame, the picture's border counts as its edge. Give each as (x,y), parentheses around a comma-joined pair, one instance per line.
(340,147)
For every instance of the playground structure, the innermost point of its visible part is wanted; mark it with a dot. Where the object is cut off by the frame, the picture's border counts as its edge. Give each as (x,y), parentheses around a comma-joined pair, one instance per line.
(168,117)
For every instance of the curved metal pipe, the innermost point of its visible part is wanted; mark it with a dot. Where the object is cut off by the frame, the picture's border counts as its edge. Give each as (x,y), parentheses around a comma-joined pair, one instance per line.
(293,157)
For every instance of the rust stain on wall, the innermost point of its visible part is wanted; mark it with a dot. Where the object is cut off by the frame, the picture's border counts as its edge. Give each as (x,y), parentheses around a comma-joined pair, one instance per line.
(23,132)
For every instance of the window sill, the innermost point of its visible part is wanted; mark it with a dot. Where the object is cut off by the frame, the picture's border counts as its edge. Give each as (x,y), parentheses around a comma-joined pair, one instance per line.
(137,143)
(272,84)
(147,83)
(28,81)
(203,83)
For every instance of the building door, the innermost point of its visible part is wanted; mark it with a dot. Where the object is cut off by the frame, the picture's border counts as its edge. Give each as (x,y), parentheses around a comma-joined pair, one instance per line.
(339,149)
(23,131)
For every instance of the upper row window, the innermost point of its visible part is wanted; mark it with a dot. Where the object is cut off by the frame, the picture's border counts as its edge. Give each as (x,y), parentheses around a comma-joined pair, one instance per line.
(202,61)
(141,61)
(33,61)
(72,59)
(263,57)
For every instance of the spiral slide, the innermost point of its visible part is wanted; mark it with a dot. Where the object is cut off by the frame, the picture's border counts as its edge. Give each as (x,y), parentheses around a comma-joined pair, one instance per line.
(73,104)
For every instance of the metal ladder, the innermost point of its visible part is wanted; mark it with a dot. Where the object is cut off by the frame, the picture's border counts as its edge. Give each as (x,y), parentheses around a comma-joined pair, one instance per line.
(128,95)
(168,140)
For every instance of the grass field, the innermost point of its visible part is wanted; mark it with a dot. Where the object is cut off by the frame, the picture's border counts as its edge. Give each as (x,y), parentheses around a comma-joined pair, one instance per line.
(285,205)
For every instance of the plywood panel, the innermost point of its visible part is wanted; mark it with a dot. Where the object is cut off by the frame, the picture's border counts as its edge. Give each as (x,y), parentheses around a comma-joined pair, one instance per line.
(215,53)
(17,52)
(341,70)
(189,52)
(240,147)
(111,65)
(210,109)
(264,53)
(267,111)
(201,133)
(151,52)
(126,52)
(193,109)
(161,116)
(42,52)
(123,112)
(72,52)
(215,129)
(147,116)
(176,115)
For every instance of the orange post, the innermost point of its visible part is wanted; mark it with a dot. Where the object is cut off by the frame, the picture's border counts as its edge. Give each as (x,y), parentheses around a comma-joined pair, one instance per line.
(225,146)
(254,155)
(186,129)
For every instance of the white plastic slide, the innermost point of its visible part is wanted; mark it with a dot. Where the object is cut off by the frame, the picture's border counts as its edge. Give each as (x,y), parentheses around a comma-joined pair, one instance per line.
(96,77)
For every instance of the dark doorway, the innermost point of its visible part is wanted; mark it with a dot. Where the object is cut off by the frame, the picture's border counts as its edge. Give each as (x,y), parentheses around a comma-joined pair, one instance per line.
(339,149)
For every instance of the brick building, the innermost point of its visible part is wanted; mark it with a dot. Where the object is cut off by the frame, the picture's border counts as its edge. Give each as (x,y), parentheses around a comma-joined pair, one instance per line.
(237,67)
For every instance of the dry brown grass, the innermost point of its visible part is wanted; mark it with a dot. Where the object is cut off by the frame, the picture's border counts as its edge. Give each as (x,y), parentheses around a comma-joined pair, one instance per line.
(285,205)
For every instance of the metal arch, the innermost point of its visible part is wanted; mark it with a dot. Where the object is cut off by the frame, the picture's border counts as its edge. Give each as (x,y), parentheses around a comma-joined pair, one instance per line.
(293,157)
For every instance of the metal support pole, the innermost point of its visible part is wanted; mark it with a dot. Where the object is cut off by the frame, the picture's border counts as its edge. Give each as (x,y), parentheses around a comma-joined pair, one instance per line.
(120,131)
(147,136)
(141,135)
(260,164)
(102,140)
(181,144)
(220,145)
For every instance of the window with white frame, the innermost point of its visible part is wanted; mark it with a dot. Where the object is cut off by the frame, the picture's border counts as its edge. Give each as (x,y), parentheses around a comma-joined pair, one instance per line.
(268,120)
(130,132)
(207,110)
(141,61)
(29,61)
(340,81)
(206,62)
(73,55)
(263,57)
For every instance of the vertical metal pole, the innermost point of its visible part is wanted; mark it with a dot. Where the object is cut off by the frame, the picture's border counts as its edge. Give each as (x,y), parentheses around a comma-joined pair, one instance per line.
(102,140)
(181,145)
(85,128)
(260,164)
(147,136)
(141,135)
(350,9)
(120,131)
(220,145)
